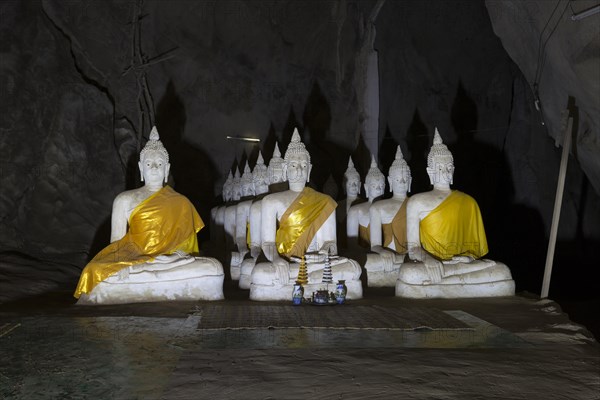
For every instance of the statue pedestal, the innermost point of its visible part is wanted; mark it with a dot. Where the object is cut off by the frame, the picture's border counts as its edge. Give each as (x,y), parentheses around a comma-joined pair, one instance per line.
(264,286)
(377,276)
(481,278)
(199,280)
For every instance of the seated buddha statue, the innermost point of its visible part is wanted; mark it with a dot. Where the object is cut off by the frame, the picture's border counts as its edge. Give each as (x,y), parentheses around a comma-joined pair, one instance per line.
(299,222)
(152,254)
(447,240)
(387,228)
(260,177)
(357,223)
(242,222)
(352,188)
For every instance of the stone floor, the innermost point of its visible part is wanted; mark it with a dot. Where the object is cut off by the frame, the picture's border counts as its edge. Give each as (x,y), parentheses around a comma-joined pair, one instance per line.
(515,348)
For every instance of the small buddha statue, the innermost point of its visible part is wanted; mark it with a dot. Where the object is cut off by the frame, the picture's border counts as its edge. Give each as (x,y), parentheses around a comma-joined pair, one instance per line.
(387,228)
(152,254)
(352,188)
(447,239)
(357,224)
(242,222)
(299,222)
(261,181)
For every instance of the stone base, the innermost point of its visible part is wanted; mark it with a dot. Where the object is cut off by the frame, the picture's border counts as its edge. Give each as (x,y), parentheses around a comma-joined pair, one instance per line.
(265,286)
(204,282)
(492,289)
(376,276)
(284,292)
(480,278)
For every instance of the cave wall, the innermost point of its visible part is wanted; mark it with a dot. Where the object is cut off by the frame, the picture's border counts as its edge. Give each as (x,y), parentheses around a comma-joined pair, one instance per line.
(73,126)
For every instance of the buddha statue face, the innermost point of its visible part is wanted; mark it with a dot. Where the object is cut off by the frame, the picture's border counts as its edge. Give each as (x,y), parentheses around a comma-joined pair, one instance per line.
(352,186)
(154,167)
(399,176)
(400,180)
(374,187)
(442,172)
(247,189)
(260,180)
(276,173)
(297,168)
(237,191)
(440,163)
(227,191)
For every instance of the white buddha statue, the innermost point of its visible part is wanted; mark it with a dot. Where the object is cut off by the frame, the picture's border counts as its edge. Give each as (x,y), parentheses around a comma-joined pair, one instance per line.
(242,222)
(446,237)
(352,188)
(151,256)
(299,222)
(388,228)
(260,177)
(357,224)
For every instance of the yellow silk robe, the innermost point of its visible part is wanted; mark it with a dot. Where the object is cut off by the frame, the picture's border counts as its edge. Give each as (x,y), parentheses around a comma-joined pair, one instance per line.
(161,224)
(454,228)
(396,230)
(301,221)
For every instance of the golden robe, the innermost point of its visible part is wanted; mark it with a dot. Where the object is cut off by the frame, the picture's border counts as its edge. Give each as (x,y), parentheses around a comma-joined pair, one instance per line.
(454,228)
(301,221)
(396,230)
(161,224)
(364,236)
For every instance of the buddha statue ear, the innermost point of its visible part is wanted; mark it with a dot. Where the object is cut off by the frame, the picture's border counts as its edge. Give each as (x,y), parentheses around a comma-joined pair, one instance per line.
(167,169)
(366,189)
(309,170)
(409,184)
(141,170)
(284,172)
(431,172)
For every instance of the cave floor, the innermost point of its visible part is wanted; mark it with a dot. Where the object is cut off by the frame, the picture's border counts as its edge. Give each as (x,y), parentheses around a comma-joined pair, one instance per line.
(514,348)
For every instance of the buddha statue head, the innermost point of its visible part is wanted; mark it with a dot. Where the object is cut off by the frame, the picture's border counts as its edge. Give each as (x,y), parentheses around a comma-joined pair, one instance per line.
(260,176)
(236,186)
(399,176)
(296,163)
(228,188)
(374,181)
(440,163)
(275,168)
(246,183)
(351,180)
(154,161)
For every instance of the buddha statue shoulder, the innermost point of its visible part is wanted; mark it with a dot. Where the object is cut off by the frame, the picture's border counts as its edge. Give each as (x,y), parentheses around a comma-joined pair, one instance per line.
(299,222)
(153,251)
(388,227)
(447,241)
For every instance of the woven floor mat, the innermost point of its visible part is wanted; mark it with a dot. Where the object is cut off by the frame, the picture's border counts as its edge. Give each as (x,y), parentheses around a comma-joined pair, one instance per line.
(216,316)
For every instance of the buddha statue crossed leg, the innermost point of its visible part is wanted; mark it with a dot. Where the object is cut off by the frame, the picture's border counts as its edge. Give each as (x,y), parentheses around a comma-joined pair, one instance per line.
(307,228)
(153,239)
(447,239)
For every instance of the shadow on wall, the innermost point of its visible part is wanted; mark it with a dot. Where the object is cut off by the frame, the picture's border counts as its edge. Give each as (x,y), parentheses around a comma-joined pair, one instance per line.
(192,170)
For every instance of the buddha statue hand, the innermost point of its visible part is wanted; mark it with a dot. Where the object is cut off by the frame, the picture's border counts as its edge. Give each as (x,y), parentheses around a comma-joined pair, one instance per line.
(390,259)
(459,260)
(169,258)
(282,269)
(435,269)
(329,247)
(123,274)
